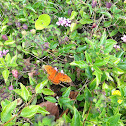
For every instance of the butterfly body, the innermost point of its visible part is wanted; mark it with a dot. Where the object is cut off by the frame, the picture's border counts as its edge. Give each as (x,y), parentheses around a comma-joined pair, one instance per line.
(55,76)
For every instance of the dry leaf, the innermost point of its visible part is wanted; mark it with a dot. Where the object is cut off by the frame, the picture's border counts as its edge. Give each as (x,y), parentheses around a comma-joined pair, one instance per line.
(52,108)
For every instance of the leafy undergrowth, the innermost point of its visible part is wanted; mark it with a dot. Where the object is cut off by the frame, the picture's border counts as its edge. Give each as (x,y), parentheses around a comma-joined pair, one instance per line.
(85,40)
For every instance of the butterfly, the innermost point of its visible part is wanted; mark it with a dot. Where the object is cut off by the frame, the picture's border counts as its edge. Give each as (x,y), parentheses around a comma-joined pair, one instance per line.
(55,76)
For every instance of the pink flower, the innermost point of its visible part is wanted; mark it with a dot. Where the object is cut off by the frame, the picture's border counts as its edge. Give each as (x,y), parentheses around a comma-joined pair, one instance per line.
(108,5)
(94,2)
(15,73)
(124,38)
(10,87)
(63,22)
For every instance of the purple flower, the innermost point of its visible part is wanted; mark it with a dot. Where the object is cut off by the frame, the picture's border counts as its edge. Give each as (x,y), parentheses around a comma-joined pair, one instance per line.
(5,52)
(124,38)
(25,26)
(108,5)
(94,2)
(10,87)
(63,22)
(69,12)
(18,24)
(4,37)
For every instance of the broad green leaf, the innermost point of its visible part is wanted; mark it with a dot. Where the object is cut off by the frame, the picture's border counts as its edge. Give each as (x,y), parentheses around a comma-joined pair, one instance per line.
(30,8)
(109,45)
(114,120)
(5,74)
(76,118)
(47,91)
(24,92)
(4,103)
(13,61)
(103,38)
(1,44)
(108,76)
(73,27)
(26,124)
(9,42)
(40,86)
(87,94)
(80,64)
(42,111)
(73,15)
(42,22)
(90,43)
(97,69)
(88,58)
(50,99)
(98,77)
(106,14)
(18,91)
(114,60)
(32,80)
(92,85)
(117,70)
(8,59)
(67,92)
(86,21)
(29,111)
(114,32)
(100,62)
(6,114)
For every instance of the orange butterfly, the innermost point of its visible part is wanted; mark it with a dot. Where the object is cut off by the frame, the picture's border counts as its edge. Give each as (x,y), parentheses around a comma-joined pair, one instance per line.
(55,76)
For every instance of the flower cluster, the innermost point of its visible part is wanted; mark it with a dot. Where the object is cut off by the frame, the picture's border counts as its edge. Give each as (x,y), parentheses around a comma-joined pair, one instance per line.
(15,73)
(116,46)
(63,22)
(124,38)
(3,53)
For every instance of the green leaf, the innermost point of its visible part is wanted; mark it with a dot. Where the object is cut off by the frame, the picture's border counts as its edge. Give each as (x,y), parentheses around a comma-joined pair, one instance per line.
(86,21)
(98,77)
(73,15)
(8,59)
(108,76)
(67,92)
(9,42)
(90,43)
(97,69)
(13,61)
(29,111)
(1,44)
(114,120)
(42,22)
(40,86)
(114,32)
(6,114)
(76,118)
(47,91)
(87,94)
(26,124)
(18,91)
(88,58)
(103,38)
(30,8)
(114,60)
(92,85)
(80,64)
(24,92)
(73,27)
(109,45)
(42,111)
(50,99)
(107,14)
(117,70)
(5,74)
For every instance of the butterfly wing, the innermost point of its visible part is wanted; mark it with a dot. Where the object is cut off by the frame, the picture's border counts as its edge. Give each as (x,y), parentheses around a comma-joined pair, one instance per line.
(63,77)
(50,71)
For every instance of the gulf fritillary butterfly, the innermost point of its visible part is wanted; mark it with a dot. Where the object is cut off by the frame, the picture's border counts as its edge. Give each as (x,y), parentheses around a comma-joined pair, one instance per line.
(55,76)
